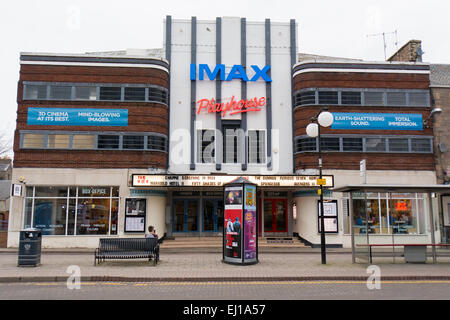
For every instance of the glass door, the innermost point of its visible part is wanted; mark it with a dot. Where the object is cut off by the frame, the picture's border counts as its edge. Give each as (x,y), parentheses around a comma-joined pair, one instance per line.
(275,215)
(213,215)
(185,215)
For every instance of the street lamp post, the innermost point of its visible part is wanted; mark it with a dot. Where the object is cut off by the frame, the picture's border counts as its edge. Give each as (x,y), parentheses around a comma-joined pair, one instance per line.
(324,119)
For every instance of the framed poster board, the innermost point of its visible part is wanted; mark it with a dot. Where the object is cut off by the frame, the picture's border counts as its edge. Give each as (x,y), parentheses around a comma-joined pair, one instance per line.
(330,216)
(135,215)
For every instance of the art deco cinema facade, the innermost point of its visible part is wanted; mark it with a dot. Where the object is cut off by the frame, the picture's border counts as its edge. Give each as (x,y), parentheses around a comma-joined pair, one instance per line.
(109,143)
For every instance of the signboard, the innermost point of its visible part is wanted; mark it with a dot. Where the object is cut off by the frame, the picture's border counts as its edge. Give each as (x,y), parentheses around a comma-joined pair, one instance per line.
(135,214)
(377,121)
(233,106)
(236,72)
(16,190)
(77,117)
(330,216)
(233,220)
(147,180)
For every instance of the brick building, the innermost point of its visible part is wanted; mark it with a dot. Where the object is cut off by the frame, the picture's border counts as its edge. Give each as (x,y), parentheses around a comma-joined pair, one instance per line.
(109,143)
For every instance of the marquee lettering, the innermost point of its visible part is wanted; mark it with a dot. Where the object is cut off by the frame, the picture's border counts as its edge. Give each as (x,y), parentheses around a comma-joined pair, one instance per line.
(237,72)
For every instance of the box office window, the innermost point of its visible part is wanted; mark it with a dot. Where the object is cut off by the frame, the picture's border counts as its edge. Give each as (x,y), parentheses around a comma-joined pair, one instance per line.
(72,210)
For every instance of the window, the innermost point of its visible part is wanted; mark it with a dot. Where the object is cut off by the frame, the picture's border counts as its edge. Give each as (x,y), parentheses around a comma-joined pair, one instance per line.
(396,98)
(329,144)
(373,98)
(133,142)
(157,95)
(35,92)
(352,144)
(58,141)
(60,92)
(110,93)
(305,98)
(108,142)
(232,137)
(419,99)
(85,93)
(83,141)
(382,213)
(328,97)
(256,146)
(31,140)
(134,94)
(421,145)
(351,97)
(398,145)
(206,151)
(72,210)
(156,143)
(375,144)
(306,144)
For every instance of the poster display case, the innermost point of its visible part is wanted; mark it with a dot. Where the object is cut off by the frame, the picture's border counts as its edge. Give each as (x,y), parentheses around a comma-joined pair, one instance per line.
(135,213)
(240,238)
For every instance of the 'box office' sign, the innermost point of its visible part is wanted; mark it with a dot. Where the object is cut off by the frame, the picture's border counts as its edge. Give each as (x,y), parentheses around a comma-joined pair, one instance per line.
(148,180)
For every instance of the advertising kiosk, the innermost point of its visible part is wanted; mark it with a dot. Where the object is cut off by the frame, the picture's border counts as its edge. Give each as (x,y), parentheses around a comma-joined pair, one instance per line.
(240,236)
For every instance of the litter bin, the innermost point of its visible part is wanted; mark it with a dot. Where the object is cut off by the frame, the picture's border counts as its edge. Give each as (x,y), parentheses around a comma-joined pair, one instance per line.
(30,247)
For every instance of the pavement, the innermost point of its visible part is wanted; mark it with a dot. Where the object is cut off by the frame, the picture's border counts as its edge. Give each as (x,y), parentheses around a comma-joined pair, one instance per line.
(205,264)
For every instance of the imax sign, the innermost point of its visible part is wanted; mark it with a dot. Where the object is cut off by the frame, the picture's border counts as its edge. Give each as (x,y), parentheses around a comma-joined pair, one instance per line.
(236,72)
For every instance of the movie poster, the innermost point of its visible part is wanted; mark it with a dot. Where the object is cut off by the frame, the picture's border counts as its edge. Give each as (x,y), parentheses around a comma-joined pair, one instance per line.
(250,223)
(233,221)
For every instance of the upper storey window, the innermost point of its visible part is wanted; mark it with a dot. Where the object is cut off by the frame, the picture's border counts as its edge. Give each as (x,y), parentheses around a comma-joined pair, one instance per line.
(95,92)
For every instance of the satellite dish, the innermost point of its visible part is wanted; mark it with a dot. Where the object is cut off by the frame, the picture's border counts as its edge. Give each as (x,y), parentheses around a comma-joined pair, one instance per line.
(442,147)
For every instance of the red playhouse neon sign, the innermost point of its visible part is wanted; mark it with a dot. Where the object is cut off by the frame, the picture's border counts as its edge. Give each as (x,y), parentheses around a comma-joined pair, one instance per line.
(233,106)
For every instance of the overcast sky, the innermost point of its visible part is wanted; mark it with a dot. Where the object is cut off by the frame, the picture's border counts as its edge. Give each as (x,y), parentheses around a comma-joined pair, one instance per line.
(346,28)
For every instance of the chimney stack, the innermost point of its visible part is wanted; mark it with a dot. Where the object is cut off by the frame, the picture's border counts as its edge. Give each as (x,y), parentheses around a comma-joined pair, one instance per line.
(410,52)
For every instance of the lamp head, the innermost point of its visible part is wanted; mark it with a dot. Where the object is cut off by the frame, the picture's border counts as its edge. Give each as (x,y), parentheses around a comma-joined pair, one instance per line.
(312,130)
(325,119)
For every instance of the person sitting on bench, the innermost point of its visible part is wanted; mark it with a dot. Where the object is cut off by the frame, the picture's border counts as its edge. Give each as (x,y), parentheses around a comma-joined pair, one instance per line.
(152,232)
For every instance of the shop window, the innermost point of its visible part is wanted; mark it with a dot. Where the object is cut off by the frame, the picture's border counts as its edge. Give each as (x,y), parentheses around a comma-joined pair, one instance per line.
(134,94)
(35,92)
(60,92)
(58,141)
(352,144)
(83,141)
(33,140)
(84,210)
(351,98)
(108,142)
(86,93)
(110,93)
(133,142)
(328,97)
(256,146)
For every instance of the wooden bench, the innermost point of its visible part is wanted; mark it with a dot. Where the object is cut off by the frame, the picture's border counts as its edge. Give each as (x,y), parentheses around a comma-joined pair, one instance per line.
(127,248)
(413,252)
